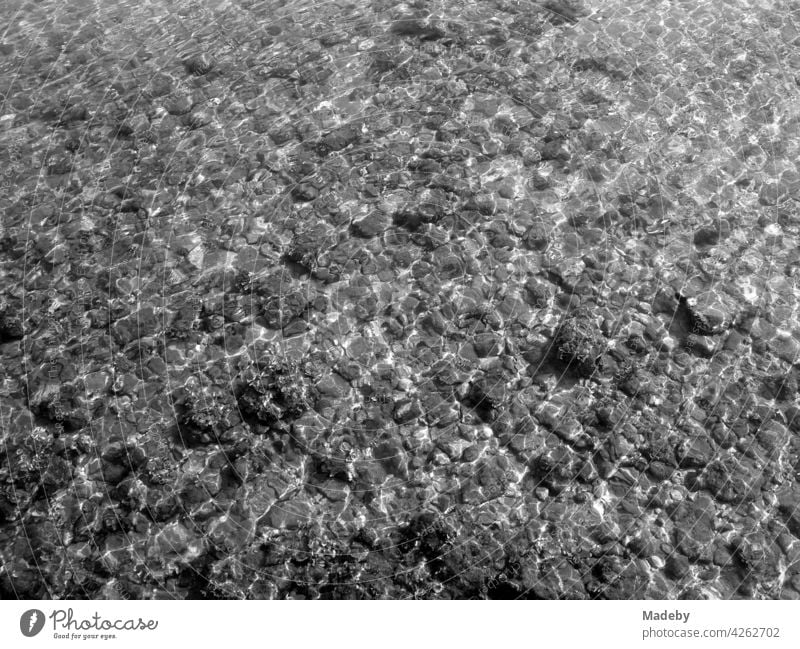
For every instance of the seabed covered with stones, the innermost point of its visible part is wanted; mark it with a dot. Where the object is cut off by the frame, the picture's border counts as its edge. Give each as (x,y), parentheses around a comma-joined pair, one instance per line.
(370,299)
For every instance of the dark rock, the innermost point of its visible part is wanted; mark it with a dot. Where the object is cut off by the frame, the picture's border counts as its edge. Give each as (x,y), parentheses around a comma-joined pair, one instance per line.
(659,471)
(287,515)
(471,453)
(556,468)
(781,387)
(199,64)
(308,244)
(789,507)
(487,394)
(733,480)
(10,327)
(407,410)
(618,579)
(677,567)
(608,416)
(792,414)
(563,11)
(642,545)
(197,119)
(637,343)
(280,311)
(409,219)
(706,236)
(595,173)
(696,453)
(694,526)
(59,164)
(334,386)
(537,294)
(773,193)
(554,151)
(339,139)
(489,477)
(660,447)
(74,113)
(500,238)
(203,417)
(304,192)
(539,182)
(273,390)
(665,302)
(424,28)
(482,202)
(433,323)
(128,455)
(773,437)
(160,85)
(578,343)
(702,346)
(757,556)
(179,105)
(704,320)
(281,134)
(555,579)
(371,225)
(391,455)
(57,475)
(139,324)
(487,344)
(733,340)
(429,534)
(722,434)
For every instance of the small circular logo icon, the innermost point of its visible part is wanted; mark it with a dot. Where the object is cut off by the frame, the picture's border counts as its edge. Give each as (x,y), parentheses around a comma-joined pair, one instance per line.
(31,622)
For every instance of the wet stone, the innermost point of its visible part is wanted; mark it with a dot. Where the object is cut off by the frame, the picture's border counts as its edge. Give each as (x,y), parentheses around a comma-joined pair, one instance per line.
(696,453)
(733,480)
(556,468)
(305,192)
(197,119)
(11,327)
(370,226)
(407,410)
(139,324)
(333,386)
(711,235)
(160,85)
(199,64)
(289,515)
(179,105)
(773,193)
(789,507)
(579,343)
(97,382)
(677,567)
(487,344)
